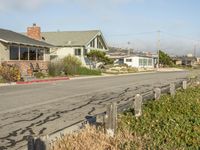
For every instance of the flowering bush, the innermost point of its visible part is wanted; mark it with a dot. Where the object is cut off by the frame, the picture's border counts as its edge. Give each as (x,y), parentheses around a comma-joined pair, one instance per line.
(10,73)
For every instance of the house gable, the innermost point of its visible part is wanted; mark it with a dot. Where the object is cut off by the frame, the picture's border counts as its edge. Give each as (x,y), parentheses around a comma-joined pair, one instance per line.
(97,42)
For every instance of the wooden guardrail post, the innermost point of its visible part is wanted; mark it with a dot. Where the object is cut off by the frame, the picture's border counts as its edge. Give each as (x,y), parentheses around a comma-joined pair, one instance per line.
(138,105)
(157,93)
(184,85)
(172,89)
(111,119)
(36,144)
(31,143)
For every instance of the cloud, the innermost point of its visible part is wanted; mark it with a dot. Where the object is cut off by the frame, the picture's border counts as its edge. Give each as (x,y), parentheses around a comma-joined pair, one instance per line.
(30,5)
(24,5)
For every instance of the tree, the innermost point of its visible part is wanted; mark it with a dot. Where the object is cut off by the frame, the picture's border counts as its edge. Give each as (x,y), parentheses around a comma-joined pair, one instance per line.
(98,56)
(165,59)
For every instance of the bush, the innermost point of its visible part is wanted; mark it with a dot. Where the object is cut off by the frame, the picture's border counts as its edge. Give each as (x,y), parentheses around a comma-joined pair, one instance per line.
(10,73)
(56,68)
(71,64)
(39,75)
(86,71)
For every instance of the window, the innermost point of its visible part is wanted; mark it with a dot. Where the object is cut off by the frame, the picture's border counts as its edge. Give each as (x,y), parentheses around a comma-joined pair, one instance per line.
(99,44)
(140,62)
(40,54)
(150,62)
(23,53)
(144,62)
(92,43)
(14,52)
(85,52)
(128,60)
(32,53)
(78,52)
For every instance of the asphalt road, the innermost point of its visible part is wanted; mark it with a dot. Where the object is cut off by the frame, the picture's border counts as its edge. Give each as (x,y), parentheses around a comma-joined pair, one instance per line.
(40,109)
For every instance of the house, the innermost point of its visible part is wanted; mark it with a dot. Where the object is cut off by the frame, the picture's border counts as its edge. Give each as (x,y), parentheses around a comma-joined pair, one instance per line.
(77,43)
(177,60)
(189,61)
(25,52)
(140,61)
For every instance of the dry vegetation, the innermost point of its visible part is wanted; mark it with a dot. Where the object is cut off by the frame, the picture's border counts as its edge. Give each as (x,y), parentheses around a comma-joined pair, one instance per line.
(92,139)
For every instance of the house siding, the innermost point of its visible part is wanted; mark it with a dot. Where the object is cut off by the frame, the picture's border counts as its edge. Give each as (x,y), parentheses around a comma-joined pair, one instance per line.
(60,53)
(4,52)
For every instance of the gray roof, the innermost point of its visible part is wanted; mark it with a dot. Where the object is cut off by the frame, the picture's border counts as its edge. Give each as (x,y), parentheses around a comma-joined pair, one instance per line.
(70,38)
(8,36)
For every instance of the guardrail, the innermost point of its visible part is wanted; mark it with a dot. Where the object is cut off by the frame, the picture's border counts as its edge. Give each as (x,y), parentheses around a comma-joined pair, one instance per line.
(109,118)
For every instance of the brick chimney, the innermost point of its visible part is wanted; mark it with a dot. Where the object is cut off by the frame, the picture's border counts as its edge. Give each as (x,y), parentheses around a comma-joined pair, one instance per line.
(34,32)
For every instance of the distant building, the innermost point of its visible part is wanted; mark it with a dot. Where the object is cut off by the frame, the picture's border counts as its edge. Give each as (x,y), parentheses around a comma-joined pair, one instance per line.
(188,60)
(141,61)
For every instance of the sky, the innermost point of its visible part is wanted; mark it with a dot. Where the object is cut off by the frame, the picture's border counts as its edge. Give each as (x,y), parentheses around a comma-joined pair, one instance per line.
(124,23)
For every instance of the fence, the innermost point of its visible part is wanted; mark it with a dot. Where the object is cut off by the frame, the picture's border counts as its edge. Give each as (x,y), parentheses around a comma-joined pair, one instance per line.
(109,118)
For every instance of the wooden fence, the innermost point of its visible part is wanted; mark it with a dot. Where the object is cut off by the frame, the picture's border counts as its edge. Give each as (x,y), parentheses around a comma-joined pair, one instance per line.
(109,118)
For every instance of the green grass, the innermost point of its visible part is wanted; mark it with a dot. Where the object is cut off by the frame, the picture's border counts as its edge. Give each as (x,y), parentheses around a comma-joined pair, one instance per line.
(87,71)
(169,123)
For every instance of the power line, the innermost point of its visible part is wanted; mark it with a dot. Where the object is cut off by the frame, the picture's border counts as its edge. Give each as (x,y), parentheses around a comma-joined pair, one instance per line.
(132,34)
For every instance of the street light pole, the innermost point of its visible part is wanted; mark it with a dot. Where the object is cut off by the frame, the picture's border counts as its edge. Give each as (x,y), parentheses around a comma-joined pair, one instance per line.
(158,48)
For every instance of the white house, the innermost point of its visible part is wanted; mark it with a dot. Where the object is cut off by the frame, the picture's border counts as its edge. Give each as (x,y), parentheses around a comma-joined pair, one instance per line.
(77,43)
(139,61)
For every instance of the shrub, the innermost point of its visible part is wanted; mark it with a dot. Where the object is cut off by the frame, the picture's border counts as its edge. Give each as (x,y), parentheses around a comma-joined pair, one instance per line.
(71,64)
(39,75)
(10,73)
(86,71)
(56,68)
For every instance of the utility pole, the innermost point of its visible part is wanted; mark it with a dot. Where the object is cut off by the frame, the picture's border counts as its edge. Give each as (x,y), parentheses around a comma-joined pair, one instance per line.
(158,47)
(195,50)
(129,51)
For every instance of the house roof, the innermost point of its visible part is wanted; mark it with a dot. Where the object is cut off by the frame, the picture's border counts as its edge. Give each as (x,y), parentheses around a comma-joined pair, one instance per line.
(8,36)
(70,38)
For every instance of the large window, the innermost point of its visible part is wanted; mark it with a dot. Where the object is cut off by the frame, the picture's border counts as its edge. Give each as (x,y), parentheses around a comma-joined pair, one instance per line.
(14,53)
(150,62)
(78,52)
(23,53)
(40,54)
(32,53)
(140,62)
(92,43)
(26,53)
(144,62)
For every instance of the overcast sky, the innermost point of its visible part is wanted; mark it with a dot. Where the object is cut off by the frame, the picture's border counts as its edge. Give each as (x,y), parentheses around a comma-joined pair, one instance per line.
(122,21)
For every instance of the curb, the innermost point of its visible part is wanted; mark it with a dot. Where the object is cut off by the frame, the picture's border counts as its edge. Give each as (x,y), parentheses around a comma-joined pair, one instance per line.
(43,80)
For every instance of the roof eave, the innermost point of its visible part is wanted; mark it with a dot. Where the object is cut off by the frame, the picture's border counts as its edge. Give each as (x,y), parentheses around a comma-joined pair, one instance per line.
(27,44)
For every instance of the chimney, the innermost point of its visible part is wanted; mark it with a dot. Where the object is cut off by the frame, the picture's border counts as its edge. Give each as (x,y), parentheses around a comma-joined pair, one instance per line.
(34,32)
